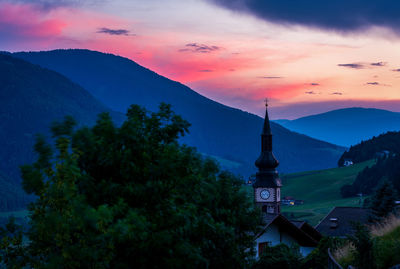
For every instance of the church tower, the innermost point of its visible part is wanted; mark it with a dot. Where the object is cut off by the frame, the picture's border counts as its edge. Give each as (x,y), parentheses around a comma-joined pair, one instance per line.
(267,187)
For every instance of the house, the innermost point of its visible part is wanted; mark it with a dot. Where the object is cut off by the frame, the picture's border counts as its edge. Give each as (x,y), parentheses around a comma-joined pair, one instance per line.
(289,200)
(347,162)
(340,220)
(267,195)
(279,229)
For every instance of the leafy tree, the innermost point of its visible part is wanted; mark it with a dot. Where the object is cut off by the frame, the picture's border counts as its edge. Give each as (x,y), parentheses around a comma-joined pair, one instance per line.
(280,257)
(132,197)
(382,203)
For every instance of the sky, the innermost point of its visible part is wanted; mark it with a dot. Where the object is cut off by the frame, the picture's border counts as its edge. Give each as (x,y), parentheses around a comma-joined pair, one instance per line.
(306,57)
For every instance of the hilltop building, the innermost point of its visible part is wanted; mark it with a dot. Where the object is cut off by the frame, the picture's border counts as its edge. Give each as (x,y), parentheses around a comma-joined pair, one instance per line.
(267,194)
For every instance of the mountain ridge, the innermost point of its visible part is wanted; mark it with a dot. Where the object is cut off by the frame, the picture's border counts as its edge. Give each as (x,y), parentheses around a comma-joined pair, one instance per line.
(347,126)
(216,129)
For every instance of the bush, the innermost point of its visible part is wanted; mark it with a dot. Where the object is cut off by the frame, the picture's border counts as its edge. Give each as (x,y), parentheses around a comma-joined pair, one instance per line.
(280,257)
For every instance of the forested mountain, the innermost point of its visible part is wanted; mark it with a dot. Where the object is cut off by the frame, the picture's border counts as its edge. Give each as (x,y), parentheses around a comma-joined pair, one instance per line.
(216,129)
(386,150)
(347,126)
(373,147)
(31,98)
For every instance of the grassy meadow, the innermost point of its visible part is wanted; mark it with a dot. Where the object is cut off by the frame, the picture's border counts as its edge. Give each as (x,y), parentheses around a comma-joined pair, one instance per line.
(320,191)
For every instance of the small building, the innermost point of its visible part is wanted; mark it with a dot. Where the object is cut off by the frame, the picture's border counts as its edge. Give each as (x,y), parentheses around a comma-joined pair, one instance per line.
(291,201)
(279,229)
(340,220)
(347,162)
(267,195)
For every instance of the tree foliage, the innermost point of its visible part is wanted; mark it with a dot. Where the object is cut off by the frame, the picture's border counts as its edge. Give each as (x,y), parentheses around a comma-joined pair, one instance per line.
(367,150)
(280,257)
(133,197)
(382,203)
(363,248)
(369,179)
(318,258)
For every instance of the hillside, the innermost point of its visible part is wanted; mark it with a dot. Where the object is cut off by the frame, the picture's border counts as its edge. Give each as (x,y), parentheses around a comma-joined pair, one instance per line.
(31,98)
(217,130)
(320,191)
(386,149)
(346,127)
(368,149)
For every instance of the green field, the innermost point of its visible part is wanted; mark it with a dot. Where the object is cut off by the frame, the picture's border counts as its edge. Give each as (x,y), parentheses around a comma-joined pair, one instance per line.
(320,191)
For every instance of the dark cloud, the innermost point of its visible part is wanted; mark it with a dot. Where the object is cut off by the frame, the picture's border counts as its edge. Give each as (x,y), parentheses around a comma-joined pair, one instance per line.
(378,64)
(375,83)
(337,93)
(338,15)
(105,30)
(206,70)
(200,48)
(270,77)
(310,92)
(314,84)
(353,65)
(396,70)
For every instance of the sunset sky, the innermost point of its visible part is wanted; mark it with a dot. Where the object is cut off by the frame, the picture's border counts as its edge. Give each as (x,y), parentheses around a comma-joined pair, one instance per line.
(306,56)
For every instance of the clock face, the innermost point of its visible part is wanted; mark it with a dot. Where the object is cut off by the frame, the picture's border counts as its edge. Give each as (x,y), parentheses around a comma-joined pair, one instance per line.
(264,194)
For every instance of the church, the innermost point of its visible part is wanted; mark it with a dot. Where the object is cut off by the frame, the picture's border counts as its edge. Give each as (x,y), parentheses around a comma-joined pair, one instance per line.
(267,195)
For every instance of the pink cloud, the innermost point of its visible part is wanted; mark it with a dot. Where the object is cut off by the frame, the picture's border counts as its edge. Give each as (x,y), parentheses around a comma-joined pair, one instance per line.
(25,23)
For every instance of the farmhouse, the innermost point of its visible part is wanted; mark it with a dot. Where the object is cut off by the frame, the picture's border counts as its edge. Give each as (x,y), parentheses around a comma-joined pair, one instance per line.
(267,194)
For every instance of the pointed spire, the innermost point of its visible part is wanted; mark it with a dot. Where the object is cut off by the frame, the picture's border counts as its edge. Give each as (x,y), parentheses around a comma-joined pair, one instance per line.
(267,162)
(267,127)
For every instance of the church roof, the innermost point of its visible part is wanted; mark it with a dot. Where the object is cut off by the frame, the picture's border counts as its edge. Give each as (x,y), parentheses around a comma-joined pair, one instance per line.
(302,232)
(339,221)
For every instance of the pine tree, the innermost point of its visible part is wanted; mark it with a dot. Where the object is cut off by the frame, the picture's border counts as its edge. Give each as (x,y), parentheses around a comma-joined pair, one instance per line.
(382,203)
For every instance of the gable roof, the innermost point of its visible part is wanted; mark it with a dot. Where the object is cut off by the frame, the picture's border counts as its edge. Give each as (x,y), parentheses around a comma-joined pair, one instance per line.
(303,233)
(342,218)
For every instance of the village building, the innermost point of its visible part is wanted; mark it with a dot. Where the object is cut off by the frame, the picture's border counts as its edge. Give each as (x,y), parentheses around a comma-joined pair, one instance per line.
(347,162)
(340,221)
(267,194)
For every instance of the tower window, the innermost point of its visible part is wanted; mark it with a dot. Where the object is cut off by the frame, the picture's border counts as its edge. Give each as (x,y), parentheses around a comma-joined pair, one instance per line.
(271,209)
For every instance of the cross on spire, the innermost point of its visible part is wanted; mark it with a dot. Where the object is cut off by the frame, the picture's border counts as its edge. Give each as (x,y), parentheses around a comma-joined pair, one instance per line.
(266,102)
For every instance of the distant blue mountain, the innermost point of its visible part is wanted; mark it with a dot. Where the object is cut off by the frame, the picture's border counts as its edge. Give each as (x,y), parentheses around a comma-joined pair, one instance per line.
(347,126)
(231,135)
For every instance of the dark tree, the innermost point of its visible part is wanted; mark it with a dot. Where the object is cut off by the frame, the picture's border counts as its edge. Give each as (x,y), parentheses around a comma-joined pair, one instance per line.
(132,197)
(382,203)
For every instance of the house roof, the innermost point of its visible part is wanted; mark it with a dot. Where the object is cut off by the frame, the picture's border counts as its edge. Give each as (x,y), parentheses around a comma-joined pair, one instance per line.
(339,221)
(303,233)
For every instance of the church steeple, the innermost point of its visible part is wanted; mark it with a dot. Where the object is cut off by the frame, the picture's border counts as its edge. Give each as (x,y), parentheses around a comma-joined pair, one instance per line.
(267,184)
(267,175)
